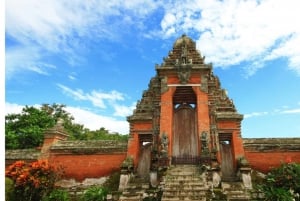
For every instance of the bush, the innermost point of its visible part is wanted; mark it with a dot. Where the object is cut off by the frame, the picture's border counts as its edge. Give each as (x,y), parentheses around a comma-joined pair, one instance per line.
(9,189)
(282,183)
(112,183)
(95,193)
(32,181)
(58,195)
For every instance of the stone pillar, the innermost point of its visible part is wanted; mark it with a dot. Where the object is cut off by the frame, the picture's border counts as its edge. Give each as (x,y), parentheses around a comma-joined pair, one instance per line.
(203,122)
(126,172)
(51,136)
(166,119)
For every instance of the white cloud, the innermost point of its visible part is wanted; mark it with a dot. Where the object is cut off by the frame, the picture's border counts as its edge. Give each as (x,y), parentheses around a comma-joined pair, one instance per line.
(25,58)
(12,108)
(231,32)
(123,111)
(291,111)
(94,121)
(278,111)
(76,94)
(255,114)
(63,26)
(101,99)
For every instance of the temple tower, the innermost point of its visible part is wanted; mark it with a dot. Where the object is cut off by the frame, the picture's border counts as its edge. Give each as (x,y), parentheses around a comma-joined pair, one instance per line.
(185,117)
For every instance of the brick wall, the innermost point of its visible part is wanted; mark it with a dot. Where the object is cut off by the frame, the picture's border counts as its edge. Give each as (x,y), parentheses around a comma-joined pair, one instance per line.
(266,153)
(85,166)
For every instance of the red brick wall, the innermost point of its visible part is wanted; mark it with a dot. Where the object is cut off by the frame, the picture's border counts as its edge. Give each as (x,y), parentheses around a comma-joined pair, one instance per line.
(134,142)
(80,167)
(202,111)
(166,115)
(233,127)
(133,148)
(264,161)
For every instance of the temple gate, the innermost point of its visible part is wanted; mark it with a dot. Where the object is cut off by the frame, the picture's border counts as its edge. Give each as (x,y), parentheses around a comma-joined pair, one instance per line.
(187,116)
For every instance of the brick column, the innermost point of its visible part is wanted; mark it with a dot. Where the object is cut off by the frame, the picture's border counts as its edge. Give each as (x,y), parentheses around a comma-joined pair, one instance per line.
(51,136)
(166,116)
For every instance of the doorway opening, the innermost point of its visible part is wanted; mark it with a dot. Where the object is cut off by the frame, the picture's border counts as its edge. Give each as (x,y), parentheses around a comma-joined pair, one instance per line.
(185,140)
(226,150)
(144,163)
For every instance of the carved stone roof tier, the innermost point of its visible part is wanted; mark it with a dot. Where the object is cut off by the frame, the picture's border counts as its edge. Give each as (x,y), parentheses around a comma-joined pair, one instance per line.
(145,108)
(184,60)
(184,52)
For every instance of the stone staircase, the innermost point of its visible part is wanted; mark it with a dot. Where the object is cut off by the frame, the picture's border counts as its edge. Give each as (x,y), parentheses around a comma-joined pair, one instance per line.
(184,182)
(235,191)
(134,191)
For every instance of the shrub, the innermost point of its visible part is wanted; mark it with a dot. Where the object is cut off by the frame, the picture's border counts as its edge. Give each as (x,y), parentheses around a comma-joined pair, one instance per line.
(112,183)
(282,183)
(9,189)
(32,181)
(57,195)
(95,193)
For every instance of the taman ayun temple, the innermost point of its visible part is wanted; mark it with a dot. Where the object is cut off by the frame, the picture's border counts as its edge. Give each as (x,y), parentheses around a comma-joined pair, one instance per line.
(185,141)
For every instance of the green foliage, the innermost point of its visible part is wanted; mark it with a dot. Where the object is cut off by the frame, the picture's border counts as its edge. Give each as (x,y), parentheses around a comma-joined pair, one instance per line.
(103,134)
(95,193)
(25,130)
(9,189)
(31,181)
(112,183)
(57,195)
(277,194)
(282,183)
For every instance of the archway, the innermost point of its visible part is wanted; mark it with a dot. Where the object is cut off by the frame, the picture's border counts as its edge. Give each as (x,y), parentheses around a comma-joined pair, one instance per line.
(185,140)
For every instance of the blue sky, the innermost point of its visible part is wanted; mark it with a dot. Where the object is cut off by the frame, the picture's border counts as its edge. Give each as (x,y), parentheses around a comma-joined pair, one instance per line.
(97,57)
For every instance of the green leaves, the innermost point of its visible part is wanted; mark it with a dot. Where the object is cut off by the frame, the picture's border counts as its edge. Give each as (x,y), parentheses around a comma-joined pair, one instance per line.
(25,130)
(282,183)
(95,193)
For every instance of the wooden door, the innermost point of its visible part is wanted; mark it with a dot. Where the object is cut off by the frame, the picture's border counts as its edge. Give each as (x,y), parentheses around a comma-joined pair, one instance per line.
(143,168)
(227,166)
(185,141)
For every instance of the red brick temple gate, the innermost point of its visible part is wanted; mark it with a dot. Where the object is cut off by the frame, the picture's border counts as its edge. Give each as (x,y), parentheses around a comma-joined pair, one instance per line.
(185,115)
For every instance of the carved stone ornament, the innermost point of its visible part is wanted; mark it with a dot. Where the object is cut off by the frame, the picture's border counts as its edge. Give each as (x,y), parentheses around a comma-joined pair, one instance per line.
(184,75)
(164,84)
(204,85)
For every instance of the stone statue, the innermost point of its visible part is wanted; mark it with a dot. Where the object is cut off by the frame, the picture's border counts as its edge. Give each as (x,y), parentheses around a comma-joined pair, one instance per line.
(164,145)
(204,143)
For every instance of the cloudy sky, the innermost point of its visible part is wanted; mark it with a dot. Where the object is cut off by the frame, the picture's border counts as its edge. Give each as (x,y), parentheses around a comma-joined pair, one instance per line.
(97,56)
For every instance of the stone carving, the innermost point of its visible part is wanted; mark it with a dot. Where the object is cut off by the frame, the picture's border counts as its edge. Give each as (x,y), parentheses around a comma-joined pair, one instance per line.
(164,145)
(184,75)
(204,143)
(216,178)
(204,85)
(164,84)
(184,54)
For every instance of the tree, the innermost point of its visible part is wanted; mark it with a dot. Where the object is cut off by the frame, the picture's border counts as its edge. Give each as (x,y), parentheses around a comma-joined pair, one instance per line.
(57,111)
(26,130)
(103,134)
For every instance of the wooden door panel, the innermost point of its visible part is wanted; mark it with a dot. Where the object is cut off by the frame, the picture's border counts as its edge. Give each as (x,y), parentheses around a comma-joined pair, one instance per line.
(185,141)
(227,167)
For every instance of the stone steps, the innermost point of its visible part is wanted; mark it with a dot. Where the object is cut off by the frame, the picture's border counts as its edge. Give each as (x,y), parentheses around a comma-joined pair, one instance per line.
(135,191)
(184,182)
(235,191)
